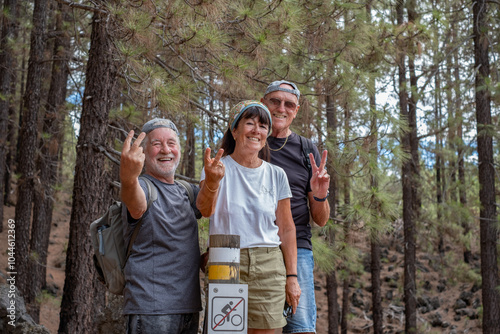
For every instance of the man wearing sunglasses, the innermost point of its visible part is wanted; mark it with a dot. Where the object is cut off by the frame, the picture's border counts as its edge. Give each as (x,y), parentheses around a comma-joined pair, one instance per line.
(309,187)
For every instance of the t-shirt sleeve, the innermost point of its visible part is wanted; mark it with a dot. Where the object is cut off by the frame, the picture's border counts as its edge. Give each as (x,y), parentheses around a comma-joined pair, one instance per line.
(283,186)
(196,190)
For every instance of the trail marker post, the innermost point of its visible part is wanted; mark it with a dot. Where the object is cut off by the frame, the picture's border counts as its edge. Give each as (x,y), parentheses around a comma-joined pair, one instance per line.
(227,302)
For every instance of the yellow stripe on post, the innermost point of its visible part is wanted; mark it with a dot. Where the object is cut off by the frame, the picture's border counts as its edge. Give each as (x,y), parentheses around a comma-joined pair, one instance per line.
(220,272)
(224,259)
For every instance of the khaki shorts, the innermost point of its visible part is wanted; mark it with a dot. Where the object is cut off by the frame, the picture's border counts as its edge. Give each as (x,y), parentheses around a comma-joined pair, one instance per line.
(264,271)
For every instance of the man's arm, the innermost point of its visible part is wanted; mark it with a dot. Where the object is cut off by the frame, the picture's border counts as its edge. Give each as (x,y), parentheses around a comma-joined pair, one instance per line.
(320,211)
(131,164)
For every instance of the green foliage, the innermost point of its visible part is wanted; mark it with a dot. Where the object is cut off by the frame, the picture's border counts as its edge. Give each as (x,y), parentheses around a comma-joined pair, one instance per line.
(203,229)
(325,256)
(68,155)
(459,271)
(46,297)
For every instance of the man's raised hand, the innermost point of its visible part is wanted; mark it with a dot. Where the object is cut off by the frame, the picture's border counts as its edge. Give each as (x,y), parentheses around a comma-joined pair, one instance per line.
(132,158)
(320,180)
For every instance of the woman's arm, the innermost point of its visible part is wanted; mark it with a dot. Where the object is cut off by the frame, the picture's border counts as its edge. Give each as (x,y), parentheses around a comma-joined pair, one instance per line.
(288,237)
(209,188)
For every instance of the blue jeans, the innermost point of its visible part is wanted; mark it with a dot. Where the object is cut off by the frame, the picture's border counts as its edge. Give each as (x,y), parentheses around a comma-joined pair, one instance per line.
(304,320)
(166,323)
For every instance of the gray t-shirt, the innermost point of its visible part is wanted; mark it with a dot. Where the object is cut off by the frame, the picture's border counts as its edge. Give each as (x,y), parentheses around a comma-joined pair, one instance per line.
(162,272)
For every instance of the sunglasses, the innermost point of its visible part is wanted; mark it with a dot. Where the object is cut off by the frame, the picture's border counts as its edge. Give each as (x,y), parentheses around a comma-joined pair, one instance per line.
(287,310)
(289,105)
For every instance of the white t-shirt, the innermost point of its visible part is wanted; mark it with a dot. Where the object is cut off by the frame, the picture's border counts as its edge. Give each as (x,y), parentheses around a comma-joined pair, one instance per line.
(247,203)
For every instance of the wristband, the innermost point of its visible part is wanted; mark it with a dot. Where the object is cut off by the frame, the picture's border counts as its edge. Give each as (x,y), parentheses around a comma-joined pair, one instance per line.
(291,275)
(212,191)
(322,199)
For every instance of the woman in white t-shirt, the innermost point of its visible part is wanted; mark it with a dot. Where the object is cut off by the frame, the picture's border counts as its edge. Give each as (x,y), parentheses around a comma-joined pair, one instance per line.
(245,195)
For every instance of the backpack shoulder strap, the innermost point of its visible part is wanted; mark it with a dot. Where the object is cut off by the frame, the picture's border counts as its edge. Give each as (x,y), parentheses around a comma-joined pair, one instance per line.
(307,147)
(152,196)
(188,188)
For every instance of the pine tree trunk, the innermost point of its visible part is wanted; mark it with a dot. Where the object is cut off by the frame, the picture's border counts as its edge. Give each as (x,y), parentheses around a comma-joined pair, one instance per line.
(333,306)
(406,175)
(344,326)
(28,144)
(412,118)
(48,162)
(83,294)
(11,150)
(332,285)
(488,215)
(439,162)
(375,267)
(461,148)
(451,190)
(6,75)
(190,150)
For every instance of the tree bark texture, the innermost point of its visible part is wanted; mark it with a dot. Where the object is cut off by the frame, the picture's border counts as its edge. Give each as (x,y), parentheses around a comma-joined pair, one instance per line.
(461,150)
(332,285)
(344,325)
(439,164)
(189,150)
(333,305)
(28,143)
(48,162)
(406,175)
(6,75)
(91,191)
(412,116)
(488,215)
(375,266)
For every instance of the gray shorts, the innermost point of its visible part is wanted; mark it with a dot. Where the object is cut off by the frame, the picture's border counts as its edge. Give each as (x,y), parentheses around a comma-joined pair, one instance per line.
(166,323)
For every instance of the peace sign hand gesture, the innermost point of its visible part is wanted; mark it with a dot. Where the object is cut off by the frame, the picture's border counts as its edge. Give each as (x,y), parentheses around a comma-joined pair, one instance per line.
(320,180)
(214,169)
(132,158)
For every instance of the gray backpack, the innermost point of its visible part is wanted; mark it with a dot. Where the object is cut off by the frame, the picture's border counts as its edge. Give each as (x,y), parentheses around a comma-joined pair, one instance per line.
(110,253)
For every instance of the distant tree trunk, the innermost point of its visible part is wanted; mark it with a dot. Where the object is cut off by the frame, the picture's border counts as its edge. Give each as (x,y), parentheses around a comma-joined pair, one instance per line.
(488,215)
(28,143)
(439,161)
(451,190)
(6,75)
(211,121)
(83,294)
(375,266)
(331,280)
(406,179)
(344,326)
(11,149)
(48,162)
(15,116)
(333,306)
(412,117)
(190,150)
(461,148)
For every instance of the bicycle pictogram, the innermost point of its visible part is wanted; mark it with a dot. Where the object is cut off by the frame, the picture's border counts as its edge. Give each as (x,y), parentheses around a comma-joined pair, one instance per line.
(230,315)
(227,308)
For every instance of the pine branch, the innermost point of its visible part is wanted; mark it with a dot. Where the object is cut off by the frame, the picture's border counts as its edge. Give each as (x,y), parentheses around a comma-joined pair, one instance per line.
(84,7)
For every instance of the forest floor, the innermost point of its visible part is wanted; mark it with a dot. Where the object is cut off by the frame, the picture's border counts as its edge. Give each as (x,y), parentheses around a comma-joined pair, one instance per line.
(448,301)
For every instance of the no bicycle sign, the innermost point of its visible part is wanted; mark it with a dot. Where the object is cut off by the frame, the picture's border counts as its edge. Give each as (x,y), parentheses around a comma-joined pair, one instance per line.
(227,308)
